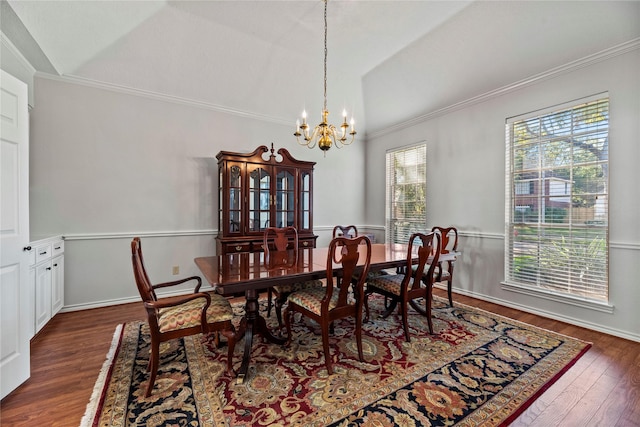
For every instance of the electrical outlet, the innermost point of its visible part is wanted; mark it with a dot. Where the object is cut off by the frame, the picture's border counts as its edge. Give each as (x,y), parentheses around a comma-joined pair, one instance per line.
(176,270)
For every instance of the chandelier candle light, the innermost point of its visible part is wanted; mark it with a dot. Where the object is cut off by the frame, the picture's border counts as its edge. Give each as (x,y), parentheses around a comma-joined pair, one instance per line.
(324,134)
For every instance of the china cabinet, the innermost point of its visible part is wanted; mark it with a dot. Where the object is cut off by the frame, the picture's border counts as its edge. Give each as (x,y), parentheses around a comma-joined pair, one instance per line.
(259,190)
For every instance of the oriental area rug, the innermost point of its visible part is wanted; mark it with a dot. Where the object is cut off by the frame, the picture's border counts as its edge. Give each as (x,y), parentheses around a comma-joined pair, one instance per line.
(478,369)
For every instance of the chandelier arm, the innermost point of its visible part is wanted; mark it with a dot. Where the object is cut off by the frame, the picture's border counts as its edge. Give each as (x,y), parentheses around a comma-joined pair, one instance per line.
(307,142)
(311,139)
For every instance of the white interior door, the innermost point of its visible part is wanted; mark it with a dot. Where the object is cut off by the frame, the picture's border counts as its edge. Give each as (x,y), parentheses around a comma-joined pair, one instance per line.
(14,234)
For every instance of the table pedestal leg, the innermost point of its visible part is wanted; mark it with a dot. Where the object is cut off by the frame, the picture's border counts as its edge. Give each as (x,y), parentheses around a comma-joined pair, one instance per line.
(253,323)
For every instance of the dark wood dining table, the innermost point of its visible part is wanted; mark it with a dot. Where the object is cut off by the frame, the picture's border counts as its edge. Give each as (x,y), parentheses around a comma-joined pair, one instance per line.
(250,272)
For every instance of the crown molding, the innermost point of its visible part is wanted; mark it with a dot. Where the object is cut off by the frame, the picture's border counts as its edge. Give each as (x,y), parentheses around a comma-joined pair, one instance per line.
(157,96)
(603,55)
(14,50)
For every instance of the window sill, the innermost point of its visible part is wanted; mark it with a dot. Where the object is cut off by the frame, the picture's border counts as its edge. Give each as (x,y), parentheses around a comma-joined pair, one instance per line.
(565,299)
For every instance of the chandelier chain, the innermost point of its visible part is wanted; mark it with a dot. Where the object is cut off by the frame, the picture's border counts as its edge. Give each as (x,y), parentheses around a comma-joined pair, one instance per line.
(325,54)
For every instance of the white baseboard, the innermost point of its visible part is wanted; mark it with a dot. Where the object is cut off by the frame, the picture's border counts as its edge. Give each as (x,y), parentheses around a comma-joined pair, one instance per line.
(127,300)
(543,313)
(550,315)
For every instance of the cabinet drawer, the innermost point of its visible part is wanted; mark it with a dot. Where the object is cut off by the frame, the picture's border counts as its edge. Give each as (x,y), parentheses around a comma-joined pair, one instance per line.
(43,252)
(57,248)
(238,247)
(307,243)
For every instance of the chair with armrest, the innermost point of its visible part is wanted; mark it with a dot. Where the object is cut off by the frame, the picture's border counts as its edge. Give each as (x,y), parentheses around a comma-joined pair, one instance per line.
(326,304)
(277,240)
(180,316)
(448,243)
(416,282)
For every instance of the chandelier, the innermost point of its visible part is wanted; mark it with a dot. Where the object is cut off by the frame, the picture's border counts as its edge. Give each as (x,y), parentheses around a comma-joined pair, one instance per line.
(325,134)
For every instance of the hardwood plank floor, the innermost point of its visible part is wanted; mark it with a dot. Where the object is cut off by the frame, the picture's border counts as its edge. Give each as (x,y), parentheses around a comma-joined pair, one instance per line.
(601,389)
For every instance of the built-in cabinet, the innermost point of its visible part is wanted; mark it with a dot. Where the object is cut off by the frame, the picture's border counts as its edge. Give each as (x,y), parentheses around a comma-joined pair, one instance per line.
(259,190)
(46,264)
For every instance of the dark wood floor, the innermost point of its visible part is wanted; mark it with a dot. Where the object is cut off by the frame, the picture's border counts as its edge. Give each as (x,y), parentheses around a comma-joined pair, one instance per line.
(601,389)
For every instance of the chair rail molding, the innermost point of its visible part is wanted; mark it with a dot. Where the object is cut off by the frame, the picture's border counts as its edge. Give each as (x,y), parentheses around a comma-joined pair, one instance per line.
(323,228)
(131,234)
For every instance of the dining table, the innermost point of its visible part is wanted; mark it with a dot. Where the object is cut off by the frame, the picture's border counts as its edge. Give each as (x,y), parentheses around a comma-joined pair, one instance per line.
(250,272)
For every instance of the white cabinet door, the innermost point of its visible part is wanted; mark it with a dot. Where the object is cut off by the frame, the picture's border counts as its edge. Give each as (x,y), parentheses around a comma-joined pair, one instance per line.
(43,295)
(14,234)
(57,284)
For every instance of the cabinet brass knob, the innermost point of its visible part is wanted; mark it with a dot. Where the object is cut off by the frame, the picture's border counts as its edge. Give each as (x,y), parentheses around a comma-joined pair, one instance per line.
(305,243)
(238,248)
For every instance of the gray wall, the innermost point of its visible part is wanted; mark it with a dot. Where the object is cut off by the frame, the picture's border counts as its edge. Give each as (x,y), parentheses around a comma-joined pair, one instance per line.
(107,165)
(466,183)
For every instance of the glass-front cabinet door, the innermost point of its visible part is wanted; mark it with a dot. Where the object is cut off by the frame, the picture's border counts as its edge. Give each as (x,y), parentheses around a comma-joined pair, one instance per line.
(285,207)
(305,200)
(231,220)
(260,199)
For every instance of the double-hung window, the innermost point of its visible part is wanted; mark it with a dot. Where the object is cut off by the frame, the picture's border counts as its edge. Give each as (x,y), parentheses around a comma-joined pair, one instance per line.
(557,200)
(406,202)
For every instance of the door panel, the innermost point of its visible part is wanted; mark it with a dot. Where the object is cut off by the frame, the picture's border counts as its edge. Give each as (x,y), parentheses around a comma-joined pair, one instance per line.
(15,300)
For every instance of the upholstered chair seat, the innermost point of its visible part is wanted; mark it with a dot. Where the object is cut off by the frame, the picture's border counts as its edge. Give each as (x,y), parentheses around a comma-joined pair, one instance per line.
(188,315)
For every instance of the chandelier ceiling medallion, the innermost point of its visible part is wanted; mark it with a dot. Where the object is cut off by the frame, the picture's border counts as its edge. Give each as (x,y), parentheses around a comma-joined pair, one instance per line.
(325,134)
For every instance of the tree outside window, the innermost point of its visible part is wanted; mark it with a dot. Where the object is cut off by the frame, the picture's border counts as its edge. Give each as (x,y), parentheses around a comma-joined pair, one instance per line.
(558,230)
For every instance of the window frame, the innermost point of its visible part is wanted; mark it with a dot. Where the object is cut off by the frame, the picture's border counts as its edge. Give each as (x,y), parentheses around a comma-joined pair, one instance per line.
(516,201)
(414,222)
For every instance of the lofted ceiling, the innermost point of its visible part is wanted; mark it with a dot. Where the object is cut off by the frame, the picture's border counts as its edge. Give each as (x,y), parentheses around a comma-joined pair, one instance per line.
(388,61)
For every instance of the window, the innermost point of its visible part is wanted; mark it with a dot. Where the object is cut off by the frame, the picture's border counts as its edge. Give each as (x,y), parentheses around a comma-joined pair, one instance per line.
(557,201)
(406,192)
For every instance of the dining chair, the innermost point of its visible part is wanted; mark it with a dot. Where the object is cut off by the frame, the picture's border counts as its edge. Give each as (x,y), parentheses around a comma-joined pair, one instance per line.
(352,231)
(277,240)
(327,304)
(181,315)
(345,230)
(414,283)
(448,243)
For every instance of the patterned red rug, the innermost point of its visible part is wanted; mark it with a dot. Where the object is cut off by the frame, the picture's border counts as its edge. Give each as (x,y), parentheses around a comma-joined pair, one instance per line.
(479,369)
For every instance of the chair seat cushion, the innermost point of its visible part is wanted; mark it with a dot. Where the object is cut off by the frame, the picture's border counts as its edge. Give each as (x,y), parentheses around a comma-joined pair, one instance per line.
(445,273)
(390,283)
(371,274)
(293,287)
(311,299)
(187,315)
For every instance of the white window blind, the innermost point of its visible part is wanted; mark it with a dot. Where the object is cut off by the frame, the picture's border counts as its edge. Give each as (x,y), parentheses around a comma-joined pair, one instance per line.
(406,192)
(557,200)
